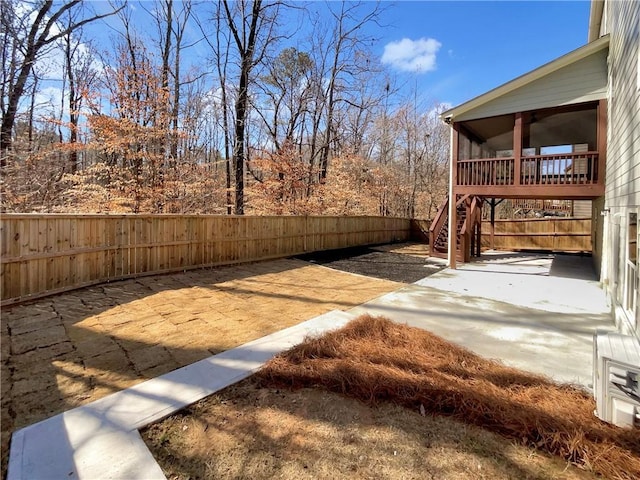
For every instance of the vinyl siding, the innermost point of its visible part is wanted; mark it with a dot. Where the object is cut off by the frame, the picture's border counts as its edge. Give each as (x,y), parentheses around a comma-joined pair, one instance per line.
(582,81)
(622,191)
(623,155)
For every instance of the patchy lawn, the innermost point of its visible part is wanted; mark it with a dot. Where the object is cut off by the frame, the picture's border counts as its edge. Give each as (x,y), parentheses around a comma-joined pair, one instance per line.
(395,402)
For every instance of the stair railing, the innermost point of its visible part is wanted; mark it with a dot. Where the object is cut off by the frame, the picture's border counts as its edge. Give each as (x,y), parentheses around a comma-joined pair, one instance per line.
(438,222)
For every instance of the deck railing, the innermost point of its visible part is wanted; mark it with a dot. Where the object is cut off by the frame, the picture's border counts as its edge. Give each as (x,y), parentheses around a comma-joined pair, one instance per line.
(560,169)
(486,171)
(557,169)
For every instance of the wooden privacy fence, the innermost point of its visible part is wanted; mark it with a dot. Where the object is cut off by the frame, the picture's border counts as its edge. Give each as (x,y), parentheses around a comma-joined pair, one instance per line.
(555,234)
(420,230)
(44,254)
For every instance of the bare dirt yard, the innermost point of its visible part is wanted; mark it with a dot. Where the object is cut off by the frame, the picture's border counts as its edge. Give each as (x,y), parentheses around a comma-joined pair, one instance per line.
(381,400)
(406,263)
(67,350)
(250,432)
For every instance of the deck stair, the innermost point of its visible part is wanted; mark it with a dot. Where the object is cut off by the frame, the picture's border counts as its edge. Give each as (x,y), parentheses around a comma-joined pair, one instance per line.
(468,229)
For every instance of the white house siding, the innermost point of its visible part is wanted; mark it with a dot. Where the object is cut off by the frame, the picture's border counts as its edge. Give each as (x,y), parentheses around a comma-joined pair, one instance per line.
(582,81)
(582,208)
(622,191)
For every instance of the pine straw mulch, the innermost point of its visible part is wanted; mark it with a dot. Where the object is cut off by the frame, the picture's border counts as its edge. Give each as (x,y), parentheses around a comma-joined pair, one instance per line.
(376,360)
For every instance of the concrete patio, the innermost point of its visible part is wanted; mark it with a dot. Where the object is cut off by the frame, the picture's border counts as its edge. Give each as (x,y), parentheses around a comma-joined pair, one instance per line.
(536,312)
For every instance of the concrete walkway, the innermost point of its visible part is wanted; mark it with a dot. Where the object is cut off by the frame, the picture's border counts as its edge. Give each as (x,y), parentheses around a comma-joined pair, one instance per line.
(536,312)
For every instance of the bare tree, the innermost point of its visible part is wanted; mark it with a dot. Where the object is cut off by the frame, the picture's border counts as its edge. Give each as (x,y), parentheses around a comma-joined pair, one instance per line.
(222,63)
(220,45)
(80,77)
(361,104)
(252,27)
(287,86)
(172,23)
(41,33)
(339,60)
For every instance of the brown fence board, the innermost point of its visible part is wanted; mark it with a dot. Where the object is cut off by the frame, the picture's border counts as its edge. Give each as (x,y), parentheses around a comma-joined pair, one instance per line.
(553,234)
(43,254)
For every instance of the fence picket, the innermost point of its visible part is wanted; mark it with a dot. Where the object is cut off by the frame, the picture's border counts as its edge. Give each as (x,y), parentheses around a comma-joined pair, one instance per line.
(50,253)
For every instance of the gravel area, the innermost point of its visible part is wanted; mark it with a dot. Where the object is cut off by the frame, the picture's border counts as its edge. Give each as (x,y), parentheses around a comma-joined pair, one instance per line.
(389,262)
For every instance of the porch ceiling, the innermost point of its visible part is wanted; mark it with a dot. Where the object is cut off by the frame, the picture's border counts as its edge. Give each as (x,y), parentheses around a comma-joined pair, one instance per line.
(548,130)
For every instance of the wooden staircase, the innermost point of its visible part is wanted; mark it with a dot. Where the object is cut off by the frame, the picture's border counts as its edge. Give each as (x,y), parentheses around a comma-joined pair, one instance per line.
(468,229)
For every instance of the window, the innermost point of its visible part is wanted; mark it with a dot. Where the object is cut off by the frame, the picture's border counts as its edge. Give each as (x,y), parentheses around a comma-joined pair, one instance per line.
(638,70)
(631,271)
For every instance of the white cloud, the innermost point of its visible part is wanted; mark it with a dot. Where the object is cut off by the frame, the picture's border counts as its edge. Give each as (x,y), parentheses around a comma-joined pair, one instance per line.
(412,55)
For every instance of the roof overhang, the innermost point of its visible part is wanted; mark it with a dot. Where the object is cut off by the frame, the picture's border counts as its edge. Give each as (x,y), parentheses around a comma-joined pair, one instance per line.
(595,19)
(571,57)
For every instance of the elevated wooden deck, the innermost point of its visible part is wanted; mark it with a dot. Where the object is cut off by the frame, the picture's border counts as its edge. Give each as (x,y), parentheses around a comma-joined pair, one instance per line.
(558,176)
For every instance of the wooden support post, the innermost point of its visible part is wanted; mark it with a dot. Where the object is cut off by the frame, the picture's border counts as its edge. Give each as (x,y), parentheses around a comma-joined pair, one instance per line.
(453,232)
(453,178)
(479,237)
(602,141)
(517,149)
(493,222)
(526,130)
(469,248)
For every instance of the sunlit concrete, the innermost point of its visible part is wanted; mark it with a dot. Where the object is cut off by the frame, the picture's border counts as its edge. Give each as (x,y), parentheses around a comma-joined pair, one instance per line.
(537,312)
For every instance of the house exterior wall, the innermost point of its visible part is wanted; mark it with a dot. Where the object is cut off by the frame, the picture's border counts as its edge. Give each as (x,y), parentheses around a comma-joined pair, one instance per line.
(582,208)
(622,185)
(582,81)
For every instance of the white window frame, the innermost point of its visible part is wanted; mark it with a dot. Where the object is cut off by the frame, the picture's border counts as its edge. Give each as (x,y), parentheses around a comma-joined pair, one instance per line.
(631,272)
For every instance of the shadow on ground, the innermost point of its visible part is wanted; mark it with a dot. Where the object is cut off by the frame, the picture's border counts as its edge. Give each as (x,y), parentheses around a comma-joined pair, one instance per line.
(376,262)
(68,350)
(246,431)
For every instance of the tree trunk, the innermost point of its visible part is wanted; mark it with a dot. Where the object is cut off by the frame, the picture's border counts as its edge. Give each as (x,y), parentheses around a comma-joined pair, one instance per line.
(246,50)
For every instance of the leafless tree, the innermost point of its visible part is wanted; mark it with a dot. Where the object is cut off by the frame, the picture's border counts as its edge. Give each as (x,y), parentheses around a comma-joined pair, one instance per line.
(43,30)
(80,77)
(287,88)
(338,50)
(172,22)
(252,27)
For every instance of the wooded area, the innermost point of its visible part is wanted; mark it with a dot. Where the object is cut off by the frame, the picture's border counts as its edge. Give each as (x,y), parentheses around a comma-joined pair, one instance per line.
(43,254)
(210,107)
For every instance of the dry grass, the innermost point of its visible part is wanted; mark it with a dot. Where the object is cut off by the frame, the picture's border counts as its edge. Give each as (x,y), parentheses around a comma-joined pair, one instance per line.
(248,432)
(375,360)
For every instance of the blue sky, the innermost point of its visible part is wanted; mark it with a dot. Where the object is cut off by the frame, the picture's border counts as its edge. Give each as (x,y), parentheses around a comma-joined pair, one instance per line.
(447,51)
(484,44)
